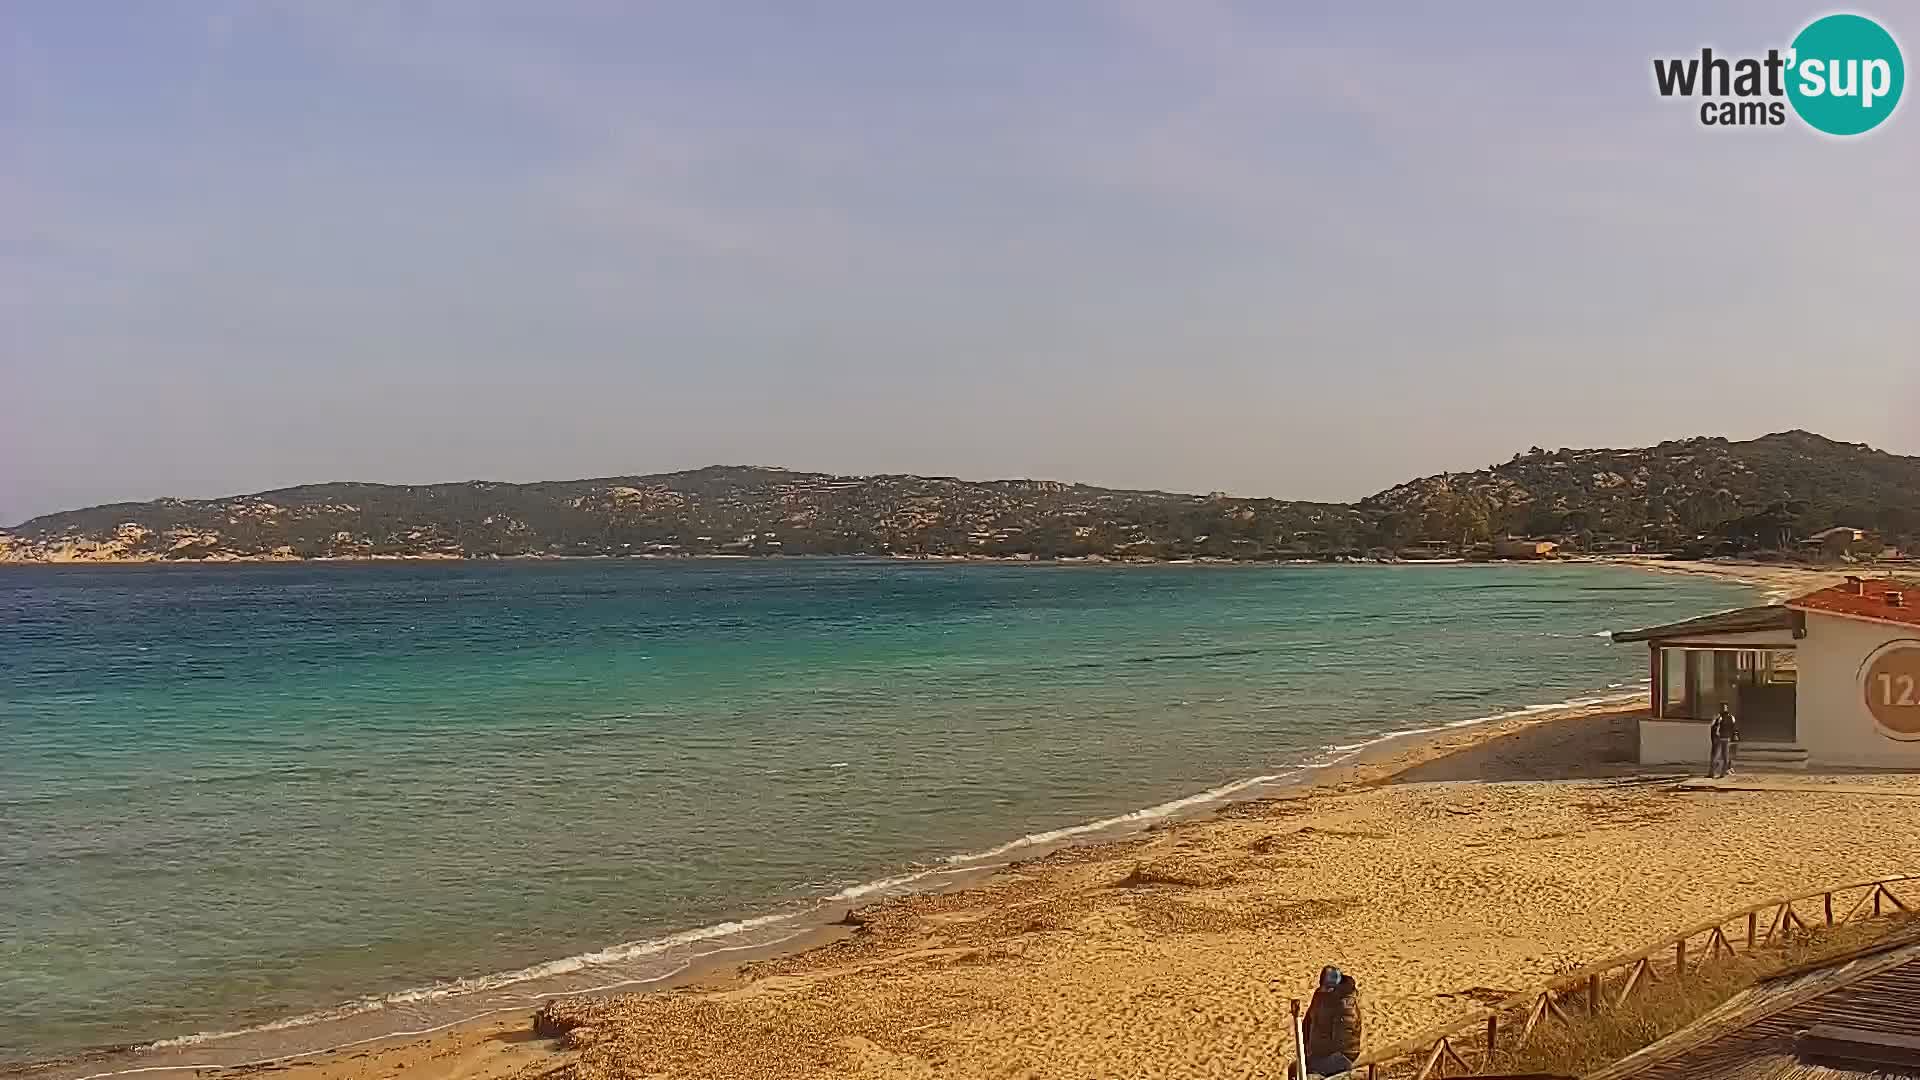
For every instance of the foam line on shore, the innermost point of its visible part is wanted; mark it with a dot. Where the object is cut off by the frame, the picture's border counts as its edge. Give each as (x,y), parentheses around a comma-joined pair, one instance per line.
(1347,750)
(1148,814)
(614,954)
(406,1034)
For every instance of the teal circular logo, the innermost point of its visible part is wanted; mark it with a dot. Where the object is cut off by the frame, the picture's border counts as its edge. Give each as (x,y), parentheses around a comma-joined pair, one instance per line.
(1845,74)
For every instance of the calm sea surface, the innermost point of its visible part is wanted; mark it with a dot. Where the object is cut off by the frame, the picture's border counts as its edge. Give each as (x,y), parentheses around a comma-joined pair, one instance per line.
(231,795)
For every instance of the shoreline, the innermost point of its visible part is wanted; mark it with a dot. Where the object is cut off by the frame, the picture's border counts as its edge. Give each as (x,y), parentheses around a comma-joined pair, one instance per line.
(1372,762)
(1375,761)
(1777,581)
(1443,874)
(1763,574)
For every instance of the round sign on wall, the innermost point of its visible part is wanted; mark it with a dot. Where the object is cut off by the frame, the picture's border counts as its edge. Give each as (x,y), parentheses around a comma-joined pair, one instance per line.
(1892,687)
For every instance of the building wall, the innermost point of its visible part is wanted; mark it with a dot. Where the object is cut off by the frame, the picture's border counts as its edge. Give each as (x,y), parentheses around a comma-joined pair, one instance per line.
(1674,742)
(1833,722)
(1525,549)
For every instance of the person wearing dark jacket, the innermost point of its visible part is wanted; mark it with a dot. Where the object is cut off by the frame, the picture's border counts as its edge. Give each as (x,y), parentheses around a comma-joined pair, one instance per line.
(1333,1024)
(1724,733)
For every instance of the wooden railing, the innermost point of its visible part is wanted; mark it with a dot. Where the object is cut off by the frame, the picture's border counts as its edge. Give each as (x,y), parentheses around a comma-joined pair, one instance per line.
(1446,1050)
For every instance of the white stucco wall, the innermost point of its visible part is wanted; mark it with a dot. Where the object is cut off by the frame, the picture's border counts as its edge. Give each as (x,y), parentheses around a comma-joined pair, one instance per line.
(1674,742)
(1831,714)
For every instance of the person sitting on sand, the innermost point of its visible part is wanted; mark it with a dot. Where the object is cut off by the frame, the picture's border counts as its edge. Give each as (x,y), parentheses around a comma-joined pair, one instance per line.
(1724,733)
(1333,1024)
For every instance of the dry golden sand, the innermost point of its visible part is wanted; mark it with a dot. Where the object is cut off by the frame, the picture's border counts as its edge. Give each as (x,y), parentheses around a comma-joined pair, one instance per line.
(1174,955)
(1778,580)
(1441,874)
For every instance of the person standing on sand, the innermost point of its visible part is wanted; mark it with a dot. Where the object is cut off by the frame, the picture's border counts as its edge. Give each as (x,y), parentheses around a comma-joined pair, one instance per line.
(1333,1024)
(1724,733)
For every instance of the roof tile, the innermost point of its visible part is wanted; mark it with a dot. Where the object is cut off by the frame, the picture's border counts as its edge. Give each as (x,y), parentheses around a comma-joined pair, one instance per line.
(1869,603)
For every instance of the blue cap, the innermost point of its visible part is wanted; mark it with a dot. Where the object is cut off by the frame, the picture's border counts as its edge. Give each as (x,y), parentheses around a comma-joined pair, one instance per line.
(1329,977)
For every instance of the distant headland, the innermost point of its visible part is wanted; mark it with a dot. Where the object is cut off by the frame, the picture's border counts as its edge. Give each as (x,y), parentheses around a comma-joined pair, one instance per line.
(1782,492)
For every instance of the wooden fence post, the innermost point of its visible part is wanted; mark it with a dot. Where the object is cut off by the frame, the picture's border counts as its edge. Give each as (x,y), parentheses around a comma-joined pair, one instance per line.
(1778,924)
(1641,970)
(1299,1042)
(1534,1016)
(1829,909)
(1493,1035)
(1860,903)
(1593,995)
(1680,956)
(1753,927)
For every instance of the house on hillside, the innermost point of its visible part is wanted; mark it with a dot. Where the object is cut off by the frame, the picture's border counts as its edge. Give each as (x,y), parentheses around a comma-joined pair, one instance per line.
(1522,548)
(1830,679)
(1839,542)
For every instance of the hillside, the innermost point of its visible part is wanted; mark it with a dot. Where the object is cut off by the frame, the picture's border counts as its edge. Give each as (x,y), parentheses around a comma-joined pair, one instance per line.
(1757,494)
(716,510)
(1743,495)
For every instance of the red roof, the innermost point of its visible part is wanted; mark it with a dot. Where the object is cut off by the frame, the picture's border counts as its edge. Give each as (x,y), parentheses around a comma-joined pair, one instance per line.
(1868,602)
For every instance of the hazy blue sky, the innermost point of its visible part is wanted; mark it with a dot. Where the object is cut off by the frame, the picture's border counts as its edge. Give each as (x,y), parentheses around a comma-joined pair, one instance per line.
(1286,249)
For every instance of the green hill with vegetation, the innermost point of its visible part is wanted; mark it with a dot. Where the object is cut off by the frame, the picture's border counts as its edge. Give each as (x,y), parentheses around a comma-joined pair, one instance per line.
(1695,493)
(719,510)
(1711,493)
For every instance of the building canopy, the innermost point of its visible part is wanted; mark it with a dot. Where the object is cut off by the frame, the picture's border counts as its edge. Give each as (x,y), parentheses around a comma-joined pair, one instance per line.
(1738,621)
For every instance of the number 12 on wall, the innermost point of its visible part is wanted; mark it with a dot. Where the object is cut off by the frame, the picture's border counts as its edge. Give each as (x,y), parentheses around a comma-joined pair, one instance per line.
(1897,690)
(1890,684)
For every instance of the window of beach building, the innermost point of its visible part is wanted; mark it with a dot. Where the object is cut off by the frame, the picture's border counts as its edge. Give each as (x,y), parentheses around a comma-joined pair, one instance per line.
(1696,682)
(1769,668)
(1714,675)
(1673,696)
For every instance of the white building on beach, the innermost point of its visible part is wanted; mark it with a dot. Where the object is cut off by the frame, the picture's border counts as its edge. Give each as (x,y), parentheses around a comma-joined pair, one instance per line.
(1828,680)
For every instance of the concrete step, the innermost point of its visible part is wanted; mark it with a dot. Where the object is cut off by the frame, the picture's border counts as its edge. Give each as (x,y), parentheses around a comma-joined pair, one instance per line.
(1770,757)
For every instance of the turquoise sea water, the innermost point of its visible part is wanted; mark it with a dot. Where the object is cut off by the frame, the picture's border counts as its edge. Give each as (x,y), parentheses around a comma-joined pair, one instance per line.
(232,795)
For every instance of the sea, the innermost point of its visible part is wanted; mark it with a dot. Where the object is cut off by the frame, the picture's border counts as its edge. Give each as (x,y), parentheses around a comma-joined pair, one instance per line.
(256,810)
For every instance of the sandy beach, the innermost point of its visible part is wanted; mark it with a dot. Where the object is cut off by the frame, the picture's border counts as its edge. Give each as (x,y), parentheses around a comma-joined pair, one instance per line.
(1441,876)
(1442,871)
(1778,581)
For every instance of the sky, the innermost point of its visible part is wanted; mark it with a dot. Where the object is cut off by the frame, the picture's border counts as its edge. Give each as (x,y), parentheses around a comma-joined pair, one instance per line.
(1299,250)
